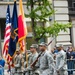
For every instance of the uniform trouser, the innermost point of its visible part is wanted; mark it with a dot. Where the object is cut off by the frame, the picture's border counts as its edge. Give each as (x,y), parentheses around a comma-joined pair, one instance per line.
(61,72)
(18,74)
(29,73)
(43,72)
(12,72)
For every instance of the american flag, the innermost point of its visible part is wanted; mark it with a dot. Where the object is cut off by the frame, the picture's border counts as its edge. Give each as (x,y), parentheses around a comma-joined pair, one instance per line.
(7,36)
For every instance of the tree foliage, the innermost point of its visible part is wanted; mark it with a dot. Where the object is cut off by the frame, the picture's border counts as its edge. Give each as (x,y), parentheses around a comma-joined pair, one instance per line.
(42,6)
(52,30)
(40,10)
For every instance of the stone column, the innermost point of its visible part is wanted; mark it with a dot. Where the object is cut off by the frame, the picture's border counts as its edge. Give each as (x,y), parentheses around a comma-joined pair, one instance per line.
(49,38)
(51,19)
(73,32)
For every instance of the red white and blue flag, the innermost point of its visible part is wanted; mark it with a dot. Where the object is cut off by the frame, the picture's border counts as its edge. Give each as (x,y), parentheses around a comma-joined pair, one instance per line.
(7,36)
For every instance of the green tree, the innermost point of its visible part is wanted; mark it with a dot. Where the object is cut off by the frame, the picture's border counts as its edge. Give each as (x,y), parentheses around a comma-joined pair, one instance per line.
(46,11)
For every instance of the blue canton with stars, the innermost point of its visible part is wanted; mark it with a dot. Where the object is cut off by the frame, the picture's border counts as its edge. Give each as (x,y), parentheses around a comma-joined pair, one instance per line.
(8,15)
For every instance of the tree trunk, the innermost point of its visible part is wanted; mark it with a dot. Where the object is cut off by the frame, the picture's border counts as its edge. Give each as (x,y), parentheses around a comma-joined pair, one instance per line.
(33,21)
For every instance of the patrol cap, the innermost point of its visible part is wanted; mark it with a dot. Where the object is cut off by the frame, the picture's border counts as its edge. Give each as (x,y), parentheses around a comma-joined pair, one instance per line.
(59,45)
(34,46)
(42,44)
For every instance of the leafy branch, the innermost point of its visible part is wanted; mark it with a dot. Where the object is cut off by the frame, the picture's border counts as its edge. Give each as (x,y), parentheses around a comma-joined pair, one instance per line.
(40,10)
(52,30)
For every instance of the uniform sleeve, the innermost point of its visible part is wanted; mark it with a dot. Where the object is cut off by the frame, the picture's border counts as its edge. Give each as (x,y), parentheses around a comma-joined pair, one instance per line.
(18,64)
(34,58)
(37,64)
(50,62)
(62,62)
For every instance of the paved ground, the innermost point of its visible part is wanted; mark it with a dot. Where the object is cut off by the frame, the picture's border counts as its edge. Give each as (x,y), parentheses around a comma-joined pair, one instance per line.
(9,74)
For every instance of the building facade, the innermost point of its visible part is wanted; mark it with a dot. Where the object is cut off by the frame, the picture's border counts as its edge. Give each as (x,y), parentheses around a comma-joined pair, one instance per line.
(3,8)
(62,15)
(71,7)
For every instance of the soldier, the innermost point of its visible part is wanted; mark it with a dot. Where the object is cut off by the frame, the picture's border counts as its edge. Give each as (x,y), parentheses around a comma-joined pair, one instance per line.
(60,60)
(45,61)
(18,63)
(31,58)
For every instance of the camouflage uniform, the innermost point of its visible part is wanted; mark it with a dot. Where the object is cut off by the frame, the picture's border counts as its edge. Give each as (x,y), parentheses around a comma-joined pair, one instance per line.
(31,58)
(18,65)
(45,64)
(60,62)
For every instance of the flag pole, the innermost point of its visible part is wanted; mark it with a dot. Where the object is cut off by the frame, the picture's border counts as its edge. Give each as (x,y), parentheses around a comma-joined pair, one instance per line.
(26,53)
(50,41)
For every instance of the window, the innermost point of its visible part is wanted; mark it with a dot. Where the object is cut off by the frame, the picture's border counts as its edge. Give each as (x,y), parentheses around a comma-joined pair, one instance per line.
(30,40)
(2,24)
(29,28)
(73,4)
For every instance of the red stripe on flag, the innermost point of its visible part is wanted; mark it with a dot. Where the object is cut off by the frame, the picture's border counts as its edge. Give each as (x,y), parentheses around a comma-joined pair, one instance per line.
(5,45)
(6,42)
(8,34)
(9,27)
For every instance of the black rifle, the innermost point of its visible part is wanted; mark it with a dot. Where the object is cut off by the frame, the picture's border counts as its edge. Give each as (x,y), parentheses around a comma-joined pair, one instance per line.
(34,63)
(50,42)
